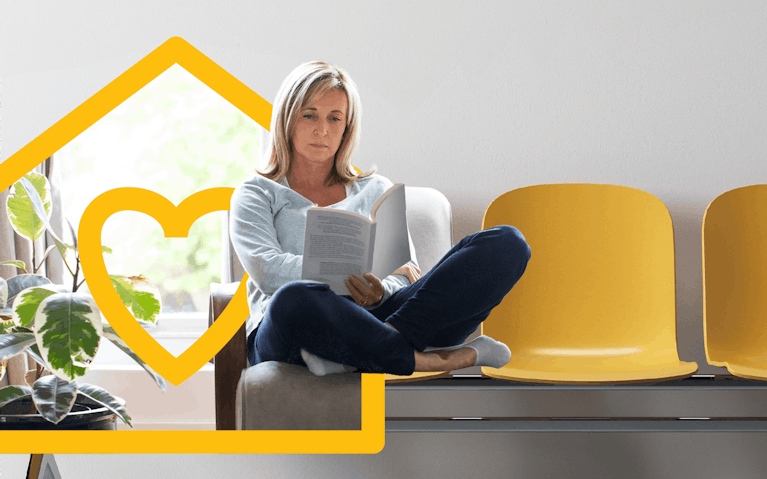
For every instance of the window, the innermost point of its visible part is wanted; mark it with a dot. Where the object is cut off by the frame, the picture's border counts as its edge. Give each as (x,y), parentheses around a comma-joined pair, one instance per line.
(175,136)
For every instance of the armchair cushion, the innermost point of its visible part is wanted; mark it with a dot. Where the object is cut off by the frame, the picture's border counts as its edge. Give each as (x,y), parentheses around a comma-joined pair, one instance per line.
(278,396)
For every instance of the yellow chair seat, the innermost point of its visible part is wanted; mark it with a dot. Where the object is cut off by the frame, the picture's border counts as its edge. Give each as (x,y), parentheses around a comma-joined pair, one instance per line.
(596,303)
(756,370)
(593,366)
(735,282)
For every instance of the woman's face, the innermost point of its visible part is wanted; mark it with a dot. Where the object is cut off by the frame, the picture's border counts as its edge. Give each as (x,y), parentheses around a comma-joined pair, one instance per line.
(319,129)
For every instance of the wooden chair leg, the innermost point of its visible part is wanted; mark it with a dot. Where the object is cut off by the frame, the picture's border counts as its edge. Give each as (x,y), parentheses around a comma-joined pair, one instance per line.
(229,362)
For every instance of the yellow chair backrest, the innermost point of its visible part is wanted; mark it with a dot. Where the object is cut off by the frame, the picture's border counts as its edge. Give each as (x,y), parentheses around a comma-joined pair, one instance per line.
(735,281)
(597,301)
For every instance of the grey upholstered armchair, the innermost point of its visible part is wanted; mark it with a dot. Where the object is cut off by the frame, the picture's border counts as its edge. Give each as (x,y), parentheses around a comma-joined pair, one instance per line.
(279,396)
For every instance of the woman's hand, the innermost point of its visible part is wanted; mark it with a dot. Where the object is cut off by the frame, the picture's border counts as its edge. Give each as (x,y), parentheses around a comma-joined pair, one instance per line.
(362,293)
(410,270)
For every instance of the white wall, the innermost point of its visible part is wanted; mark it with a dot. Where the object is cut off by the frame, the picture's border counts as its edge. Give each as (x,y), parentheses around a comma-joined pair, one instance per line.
(473,99)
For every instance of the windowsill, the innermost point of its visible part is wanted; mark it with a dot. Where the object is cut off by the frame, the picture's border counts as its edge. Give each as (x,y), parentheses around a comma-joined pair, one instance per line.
(181,322)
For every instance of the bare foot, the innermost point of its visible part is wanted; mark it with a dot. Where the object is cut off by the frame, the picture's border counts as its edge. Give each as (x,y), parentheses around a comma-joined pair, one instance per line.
(443,359)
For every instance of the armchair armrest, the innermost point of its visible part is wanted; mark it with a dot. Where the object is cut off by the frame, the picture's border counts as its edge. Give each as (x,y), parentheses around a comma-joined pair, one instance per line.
(230,361)
(274,395)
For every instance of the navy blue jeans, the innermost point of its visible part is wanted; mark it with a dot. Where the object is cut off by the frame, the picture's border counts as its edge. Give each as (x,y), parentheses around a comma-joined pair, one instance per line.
(442,308)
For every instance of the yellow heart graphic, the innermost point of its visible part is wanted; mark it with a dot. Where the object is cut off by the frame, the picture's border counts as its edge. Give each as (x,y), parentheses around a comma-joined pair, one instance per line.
(175,221)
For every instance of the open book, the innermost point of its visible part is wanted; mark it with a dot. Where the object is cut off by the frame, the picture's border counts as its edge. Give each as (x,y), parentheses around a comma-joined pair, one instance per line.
(340,243)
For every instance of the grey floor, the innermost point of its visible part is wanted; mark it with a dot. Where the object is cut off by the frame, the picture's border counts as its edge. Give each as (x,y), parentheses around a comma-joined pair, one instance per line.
(470,455)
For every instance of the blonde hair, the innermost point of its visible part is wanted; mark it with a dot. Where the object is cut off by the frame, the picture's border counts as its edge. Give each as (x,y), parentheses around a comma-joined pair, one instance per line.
(305,83)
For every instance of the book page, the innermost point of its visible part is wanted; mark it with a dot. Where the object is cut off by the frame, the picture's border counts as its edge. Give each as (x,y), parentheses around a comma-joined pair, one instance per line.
(336,246)
(392,246)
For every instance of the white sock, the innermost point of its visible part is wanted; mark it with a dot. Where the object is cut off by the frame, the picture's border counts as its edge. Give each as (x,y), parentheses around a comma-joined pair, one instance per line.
(321,367)
(489,351)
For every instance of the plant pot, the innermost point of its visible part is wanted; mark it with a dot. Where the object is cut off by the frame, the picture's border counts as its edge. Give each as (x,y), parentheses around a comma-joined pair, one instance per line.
(86,414)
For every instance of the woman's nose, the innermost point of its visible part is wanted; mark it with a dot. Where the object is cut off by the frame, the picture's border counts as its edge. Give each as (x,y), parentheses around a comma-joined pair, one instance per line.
(321,129)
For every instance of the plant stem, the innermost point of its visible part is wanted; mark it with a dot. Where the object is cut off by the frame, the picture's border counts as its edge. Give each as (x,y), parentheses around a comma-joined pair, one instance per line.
(74,277)
(64,259)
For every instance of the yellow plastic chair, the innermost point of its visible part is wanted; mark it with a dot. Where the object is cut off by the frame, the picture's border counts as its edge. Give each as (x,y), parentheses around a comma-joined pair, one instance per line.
(735,282)
(597,301)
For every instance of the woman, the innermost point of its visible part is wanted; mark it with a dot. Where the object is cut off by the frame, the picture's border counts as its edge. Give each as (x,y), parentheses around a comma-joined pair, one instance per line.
(399,324)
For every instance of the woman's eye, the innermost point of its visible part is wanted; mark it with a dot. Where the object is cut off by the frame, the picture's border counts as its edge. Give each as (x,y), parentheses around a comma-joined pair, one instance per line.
(336,119)
(309,116)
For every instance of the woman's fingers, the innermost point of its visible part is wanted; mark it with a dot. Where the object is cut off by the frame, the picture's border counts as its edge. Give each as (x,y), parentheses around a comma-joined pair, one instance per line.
(416,268)
(410,270)
(403,270)
(356,294)
(362,293)
(415,271)
(377,288)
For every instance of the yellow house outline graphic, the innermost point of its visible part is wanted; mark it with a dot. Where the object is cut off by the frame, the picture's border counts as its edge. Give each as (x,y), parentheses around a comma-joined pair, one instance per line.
(369,439)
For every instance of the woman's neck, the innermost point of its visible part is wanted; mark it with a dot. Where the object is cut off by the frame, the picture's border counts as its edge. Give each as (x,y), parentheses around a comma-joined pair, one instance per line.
(308,176)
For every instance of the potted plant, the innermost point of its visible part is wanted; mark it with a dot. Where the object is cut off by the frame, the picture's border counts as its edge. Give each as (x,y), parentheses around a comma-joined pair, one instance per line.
(59,326)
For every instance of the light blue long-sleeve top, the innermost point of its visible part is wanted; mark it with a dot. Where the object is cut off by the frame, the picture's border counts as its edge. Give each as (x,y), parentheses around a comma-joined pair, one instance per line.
(267,222)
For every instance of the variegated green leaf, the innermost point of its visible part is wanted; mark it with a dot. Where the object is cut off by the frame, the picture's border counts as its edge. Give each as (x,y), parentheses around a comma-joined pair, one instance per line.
(54,397)
(101,396)
(144,324)
(6,325)
(140,296)
(27,302)
(12,344)
(111,335)
(9,394)
(34,353)
(18,264)
(37,205)
(21,282)
(68,330)
(18,330)
(19,206)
